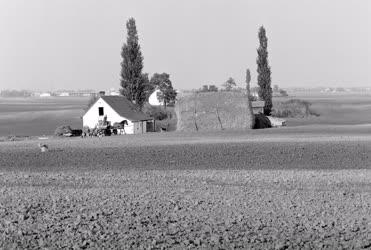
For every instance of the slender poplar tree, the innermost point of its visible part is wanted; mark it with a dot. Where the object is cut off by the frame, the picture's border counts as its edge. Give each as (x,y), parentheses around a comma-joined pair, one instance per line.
(251,113)
(264,72)
(133,81)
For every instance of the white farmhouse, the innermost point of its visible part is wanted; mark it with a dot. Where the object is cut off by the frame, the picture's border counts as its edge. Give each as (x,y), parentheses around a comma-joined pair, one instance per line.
(153,99)
(116,109)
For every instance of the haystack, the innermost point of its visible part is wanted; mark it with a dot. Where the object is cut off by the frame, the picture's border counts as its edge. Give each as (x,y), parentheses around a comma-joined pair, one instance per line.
(214,111)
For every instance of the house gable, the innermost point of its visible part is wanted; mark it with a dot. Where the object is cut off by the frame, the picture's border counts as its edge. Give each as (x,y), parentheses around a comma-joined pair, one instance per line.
(98,111)
(116,109)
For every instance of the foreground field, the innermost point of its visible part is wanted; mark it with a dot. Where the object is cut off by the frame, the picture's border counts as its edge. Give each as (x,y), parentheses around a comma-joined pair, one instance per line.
(182,209)
(270,189)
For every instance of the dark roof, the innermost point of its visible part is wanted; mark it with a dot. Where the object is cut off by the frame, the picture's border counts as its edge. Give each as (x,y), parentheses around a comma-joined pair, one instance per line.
(125,108)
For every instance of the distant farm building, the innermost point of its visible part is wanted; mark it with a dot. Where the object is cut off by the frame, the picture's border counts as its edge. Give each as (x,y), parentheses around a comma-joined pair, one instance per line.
(116,93)
(258,107)
(113,91)
(45,94)
(117,109)
(64,94)
(154,100)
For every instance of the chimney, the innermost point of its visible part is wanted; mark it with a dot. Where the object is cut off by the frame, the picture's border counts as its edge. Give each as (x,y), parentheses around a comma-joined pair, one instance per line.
(101,93)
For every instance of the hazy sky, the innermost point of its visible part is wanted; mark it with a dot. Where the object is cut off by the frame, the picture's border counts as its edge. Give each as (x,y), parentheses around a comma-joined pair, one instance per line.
(72,44)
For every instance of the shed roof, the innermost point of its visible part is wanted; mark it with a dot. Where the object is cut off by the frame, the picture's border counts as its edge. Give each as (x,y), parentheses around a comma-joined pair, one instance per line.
(125,108)
(257,104)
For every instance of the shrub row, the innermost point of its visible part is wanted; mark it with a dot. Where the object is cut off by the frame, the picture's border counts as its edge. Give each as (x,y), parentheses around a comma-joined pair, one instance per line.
(293,108)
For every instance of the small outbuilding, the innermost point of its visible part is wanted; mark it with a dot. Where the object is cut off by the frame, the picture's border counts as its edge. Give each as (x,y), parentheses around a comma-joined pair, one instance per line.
(153,98)
(118,109)
(257,107)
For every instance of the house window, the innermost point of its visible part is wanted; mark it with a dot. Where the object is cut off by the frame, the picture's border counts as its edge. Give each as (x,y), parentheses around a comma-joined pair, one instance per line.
(101,112)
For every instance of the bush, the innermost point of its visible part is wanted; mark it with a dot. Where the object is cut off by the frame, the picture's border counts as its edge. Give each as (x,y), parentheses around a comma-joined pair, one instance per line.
(283,93)
(261,121)
(293,108)
(61,130)
(76,132)
(156,112)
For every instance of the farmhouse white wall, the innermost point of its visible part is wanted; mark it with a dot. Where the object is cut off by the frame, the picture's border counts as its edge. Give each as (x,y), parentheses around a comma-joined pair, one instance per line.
(91,118)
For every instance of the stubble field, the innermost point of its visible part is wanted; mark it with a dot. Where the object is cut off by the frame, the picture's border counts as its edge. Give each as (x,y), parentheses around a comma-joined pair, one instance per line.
(303,187)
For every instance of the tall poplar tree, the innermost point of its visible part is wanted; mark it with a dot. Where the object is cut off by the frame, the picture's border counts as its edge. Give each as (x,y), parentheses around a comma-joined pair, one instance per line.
(264,72)
(133,81)
(249,99)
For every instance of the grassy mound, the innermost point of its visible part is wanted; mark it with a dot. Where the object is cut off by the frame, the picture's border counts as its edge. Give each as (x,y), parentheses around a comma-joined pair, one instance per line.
(293,108)
(213,111)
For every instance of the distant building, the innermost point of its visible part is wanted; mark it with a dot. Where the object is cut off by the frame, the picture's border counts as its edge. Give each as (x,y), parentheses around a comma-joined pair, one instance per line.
(114,93)
(254,92)
(258,107)
(45,94)
(64,94)
(117,109)
(154,100)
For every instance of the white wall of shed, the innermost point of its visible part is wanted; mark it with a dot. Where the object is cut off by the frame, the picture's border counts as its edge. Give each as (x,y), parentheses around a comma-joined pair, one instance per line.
(153,99)
(91,118)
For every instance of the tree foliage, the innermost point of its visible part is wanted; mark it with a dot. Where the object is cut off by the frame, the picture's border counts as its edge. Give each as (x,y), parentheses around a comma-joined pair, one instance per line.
(229,84)
(264,72)
(167,93)
(248,78)
(15,93)
(133,82)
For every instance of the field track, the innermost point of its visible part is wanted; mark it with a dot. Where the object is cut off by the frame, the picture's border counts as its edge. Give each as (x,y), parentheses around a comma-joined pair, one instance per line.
(286,189)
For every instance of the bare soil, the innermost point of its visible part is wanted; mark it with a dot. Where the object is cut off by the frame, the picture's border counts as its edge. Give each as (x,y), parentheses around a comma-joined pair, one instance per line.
(272,189)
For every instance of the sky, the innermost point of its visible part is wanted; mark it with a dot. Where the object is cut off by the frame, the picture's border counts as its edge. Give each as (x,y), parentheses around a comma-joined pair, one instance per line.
(69,44)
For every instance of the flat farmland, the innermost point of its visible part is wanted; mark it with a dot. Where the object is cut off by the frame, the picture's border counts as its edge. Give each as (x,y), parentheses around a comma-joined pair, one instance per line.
(306,186)
(334,109)
(296,187)
(39,116)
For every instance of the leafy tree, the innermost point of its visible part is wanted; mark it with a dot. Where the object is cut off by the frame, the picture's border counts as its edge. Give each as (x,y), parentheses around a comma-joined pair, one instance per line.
(133,82)
(167,93)
(213,88)
(229,84)
(264,72)
(276,88)
(248,79)
(283,92)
